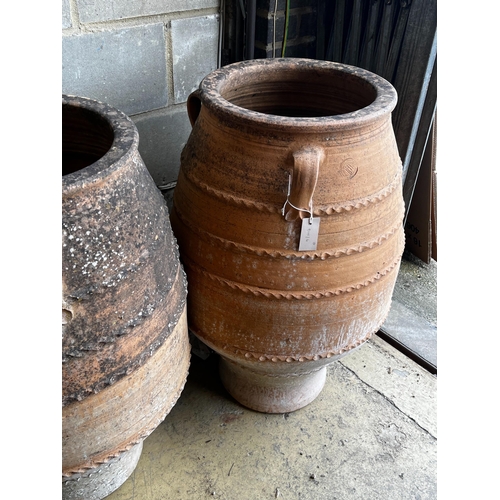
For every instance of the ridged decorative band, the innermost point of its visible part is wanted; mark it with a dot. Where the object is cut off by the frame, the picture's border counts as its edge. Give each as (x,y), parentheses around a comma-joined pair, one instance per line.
(276,253)
(298,295)
(98,462)
(318,210)
(298,358)
(66,475)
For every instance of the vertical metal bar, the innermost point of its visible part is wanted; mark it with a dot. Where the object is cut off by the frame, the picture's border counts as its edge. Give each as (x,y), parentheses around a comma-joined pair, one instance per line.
(419,136)
(433,138)
(275,11)
(413,72)
(250,28)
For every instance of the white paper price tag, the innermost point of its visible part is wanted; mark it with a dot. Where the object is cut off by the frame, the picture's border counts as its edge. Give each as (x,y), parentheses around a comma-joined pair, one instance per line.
(309,234)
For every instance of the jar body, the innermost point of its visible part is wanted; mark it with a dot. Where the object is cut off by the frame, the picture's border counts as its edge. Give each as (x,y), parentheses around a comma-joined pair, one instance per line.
(125,342)
(251,183)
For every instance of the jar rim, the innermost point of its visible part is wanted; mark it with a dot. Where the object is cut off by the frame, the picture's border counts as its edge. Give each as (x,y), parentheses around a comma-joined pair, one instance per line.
(125,141)
(214,85)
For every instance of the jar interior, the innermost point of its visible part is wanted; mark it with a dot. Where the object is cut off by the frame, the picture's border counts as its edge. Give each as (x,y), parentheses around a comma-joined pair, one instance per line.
(300,93)
(86,137)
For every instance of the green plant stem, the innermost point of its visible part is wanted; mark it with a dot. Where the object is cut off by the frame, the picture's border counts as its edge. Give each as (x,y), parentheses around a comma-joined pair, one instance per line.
(285,34)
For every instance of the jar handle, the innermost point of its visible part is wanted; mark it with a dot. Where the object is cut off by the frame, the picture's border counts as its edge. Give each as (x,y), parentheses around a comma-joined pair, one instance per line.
(306,164)
(193,105)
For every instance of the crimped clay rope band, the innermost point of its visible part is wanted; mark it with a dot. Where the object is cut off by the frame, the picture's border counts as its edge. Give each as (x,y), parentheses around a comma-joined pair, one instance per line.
(318,210)
(87,472)
(280,294)
(335,253)
(99,462)
(262,357)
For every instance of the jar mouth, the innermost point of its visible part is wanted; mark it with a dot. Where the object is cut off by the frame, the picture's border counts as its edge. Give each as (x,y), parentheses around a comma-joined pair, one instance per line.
(86,137)
(95,136)
(301,92)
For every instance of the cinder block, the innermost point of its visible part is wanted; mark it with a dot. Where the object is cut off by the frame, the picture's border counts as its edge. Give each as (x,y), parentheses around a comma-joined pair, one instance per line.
(125,68)
(195,46)
(103,10)
(66,15)
(162,136)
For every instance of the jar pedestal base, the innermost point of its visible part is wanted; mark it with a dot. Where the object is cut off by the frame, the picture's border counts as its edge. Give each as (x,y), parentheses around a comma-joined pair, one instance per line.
(271,393)
(96,484)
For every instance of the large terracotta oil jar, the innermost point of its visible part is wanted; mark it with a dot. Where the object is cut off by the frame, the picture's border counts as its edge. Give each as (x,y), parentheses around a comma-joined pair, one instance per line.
(125,341)
(288,212)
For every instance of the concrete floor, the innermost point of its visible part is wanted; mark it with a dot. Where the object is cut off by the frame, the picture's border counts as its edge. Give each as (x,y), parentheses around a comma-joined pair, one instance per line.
(371,434)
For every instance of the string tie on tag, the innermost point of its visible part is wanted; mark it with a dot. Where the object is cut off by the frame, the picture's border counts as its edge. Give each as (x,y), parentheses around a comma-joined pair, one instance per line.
(287,202)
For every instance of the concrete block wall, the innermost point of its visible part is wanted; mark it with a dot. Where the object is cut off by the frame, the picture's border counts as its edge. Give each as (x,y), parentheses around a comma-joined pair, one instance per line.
(143,58)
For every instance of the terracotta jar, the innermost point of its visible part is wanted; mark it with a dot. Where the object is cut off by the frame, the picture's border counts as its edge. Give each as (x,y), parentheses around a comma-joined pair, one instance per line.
(288,212)
(125,340)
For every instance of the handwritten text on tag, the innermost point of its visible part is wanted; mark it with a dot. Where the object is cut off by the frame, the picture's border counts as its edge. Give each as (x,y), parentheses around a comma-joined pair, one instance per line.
(309,234)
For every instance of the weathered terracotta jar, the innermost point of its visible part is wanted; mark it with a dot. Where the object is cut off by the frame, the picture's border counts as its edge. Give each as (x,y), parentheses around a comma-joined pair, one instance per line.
(125,339)
(279,146)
